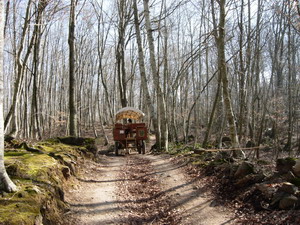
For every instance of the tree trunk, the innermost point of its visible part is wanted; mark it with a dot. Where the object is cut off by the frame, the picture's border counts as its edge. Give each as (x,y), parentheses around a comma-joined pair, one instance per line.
(35,125)
(72,81)
(10,118)
(120,51)
(163,142)
(291,71)
(143,70)
(222,66)
(6,183)
(101,41)
(212,114)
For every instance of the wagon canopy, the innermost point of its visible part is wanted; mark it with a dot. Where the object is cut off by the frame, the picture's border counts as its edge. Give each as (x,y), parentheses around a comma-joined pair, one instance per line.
(129,113)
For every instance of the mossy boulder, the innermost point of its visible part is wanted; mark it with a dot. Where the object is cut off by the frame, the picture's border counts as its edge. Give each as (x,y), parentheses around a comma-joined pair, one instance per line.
(88,143)
(79,141)
(40,176)
(24,206)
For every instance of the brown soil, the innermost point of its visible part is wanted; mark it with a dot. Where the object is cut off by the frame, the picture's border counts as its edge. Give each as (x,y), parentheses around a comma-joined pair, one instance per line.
(93,199)
(142,189)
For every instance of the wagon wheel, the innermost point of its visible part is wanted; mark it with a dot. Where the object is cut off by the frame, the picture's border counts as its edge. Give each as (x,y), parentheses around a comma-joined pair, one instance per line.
(116,149)
(143,147)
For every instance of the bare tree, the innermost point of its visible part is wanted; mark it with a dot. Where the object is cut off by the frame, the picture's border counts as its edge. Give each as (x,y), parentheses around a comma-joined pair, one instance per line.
(144,81)
(72,81)
(120,51)
(219,33)
(6,183)
(163,142)
(20,68)
(35,123)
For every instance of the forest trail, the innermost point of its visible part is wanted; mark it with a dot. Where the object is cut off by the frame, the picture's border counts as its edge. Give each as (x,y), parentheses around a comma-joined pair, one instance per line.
(141,189)
(93,199)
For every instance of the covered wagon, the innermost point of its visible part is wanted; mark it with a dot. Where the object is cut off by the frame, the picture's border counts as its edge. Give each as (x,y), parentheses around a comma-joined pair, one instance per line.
(129,132)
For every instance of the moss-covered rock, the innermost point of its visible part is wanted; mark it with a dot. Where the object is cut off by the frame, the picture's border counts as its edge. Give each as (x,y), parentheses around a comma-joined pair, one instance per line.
(22,207)
(40,176)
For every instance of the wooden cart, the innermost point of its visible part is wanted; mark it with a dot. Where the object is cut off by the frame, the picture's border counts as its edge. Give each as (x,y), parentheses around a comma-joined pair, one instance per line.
(127,134)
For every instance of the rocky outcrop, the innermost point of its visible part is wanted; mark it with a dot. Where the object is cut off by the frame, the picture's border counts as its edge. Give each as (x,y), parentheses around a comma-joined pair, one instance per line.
(278,188)
(282,195)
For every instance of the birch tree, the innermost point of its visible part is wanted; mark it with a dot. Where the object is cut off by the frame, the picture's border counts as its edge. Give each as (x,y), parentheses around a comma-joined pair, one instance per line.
(143,70)
(162,129)
(6,183)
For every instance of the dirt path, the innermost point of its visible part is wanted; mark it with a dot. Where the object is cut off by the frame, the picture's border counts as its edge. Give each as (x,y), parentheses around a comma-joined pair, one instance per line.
(93,200)
(142,189)
(189,196)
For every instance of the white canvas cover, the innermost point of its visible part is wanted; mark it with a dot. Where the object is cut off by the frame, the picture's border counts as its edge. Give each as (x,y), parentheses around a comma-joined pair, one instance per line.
(129,113)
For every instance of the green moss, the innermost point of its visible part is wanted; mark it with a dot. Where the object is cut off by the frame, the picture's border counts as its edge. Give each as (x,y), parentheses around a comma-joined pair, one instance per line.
(33,190)
(21,207)
(15,153)
(39,179)
(47,148)
(19,213)
(36,164)
(78,141)
(198,145)
(52,147)
(89,140)
(51,141)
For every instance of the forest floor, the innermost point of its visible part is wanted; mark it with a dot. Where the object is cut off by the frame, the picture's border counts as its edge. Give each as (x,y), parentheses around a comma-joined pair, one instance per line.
(142,189)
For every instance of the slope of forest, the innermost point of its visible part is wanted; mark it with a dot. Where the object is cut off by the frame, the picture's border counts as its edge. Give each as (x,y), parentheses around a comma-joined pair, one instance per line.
(218,82)
(262,191)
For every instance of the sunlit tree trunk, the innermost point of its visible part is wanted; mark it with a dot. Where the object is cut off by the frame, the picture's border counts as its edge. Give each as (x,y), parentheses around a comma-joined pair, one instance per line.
(163,142)
(120,51)
(10,118)
(219,32)
(72,82)
(143,70)
(35,124)
(6,183)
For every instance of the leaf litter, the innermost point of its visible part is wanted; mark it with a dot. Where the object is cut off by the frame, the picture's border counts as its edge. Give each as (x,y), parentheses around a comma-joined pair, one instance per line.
(145,201)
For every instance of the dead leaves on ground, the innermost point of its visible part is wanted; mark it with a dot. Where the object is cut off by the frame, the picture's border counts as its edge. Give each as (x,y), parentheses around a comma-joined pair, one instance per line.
(144,200)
